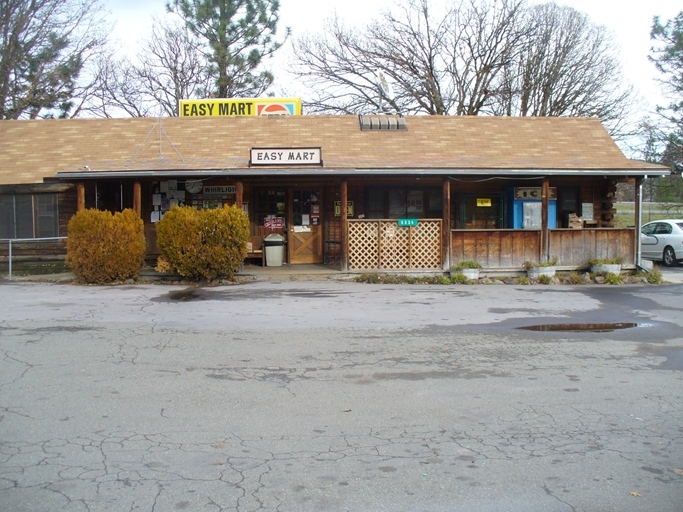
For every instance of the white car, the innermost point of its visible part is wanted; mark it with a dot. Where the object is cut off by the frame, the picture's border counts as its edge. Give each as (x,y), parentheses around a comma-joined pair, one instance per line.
(662,240)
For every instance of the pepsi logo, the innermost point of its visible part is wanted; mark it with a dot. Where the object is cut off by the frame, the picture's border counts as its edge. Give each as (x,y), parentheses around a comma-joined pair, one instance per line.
(275,109)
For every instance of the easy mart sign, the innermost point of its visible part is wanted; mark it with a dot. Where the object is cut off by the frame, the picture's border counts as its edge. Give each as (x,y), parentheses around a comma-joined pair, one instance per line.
(237,107)
(285,156)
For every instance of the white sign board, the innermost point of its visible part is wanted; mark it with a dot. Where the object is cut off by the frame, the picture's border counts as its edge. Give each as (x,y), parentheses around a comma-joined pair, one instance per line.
(284,156)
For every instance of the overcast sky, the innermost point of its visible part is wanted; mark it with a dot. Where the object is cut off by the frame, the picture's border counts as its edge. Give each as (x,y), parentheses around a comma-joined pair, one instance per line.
(629,20)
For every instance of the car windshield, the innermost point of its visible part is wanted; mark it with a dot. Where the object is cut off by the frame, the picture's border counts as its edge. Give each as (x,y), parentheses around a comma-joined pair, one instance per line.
(680,225)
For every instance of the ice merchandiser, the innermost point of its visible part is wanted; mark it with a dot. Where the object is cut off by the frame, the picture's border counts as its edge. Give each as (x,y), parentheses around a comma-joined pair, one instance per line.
(526,208)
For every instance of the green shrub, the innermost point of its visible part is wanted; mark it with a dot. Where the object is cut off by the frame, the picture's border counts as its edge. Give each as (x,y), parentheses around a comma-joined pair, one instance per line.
(523,280)
(102,247)
(543,279)
(606,261)
(466,264)
(654,276)
(533,264)
(203,244)
(613,279)
(576,278)
(459,278)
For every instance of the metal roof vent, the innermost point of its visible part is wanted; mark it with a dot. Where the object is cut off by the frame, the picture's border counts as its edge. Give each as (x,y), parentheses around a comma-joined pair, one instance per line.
(382,123)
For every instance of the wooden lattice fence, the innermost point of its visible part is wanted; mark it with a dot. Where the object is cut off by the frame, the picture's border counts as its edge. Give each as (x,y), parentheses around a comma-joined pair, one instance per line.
(383,245)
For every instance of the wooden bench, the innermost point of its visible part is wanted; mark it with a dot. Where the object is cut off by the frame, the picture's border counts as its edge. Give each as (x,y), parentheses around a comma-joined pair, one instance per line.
(255,249)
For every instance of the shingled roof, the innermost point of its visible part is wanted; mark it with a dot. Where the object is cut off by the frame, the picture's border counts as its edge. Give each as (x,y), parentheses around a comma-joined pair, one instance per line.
(31,151)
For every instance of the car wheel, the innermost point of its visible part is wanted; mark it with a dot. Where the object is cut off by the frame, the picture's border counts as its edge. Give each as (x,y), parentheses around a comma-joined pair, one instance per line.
(668,257)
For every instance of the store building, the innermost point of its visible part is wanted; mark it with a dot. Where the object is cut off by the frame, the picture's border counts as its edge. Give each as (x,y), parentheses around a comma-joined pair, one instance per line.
(367,193)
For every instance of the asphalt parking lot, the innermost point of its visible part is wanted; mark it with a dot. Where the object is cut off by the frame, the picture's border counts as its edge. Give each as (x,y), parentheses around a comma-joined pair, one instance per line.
(308,396)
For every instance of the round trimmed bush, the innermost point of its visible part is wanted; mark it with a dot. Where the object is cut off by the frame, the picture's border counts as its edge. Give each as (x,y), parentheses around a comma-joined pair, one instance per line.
(203,244)
(102,247)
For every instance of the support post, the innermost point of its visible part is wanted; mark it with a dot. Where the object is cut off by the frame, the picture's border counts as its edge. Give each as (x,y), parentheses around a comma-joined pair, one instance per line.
(446,225)
(137,198)
(638,216)
(344,232)
(545,235)
(80,197)
(239,194)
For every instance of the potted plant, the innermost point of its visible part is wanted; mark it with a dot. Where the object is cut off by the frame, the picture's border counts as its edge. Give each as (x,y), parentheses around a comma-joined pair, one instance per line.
(470,269)
(536,270)
(605,265)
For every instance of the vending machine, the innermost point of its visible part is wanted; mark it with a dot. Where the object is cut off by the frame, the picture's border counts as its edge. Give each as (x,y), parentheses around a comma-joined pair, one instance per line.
(525,208)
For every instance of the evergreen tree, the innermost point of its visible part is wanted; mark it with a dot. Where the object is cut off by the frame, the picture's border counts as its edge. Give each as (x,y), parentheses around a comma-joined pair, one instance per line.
(44,46)
(667,57)
(237,36)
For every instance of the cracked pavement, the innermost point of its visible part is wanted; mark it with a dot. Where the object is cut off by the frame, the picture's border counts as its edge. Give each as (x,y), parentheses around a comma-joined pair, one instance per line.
(309,396)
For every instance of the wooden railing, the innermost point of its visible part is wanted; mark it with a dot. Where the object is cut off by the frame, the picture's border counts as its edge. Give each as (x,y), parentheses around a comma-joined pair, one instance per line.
(495,248)
(508,248)
(574,247)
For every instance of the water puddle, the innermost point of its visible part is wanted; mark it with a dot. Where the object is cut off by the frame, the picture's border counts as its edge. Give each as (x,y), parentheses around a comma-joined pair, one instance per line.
(189,294)
(580,327)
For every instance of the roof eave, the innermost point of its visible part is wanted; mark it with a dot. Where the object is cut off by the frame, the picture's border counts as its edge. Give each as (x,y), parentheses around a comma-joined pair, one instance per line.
(245,172)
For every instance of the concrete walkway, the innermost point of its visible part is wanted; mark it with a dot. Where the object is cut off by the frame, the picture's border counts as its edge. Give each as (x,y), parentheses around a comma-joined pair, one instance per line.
(673,275)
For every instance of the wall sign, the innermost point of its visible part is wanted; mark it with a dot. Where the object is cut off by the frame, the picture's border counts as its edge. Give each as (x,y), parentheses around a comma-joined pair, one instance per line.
(240,107)
(274,222)
(407,223)
(483,202)
(229,189)
(533,193)
(349,208)
(285,156)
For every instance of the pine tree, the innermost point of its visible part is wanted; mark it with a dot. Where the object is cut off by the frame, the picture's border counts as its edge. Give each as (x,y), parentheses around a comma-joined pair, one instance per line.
(237,35)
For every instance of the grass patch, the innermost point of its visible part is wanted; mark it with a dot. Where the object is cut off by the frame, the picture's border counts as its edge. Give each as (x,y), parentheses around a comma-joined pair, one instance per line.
(613,279)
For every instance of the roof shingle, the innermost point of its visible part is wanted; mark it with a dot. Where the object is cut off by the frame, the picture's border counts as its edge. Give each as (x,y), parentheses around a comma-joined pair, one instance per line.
(33,150)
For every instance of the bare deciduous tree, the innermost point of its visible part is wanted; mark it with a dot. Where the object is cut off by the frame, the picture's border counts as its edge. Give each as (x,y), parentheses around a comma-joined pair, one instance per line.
(168,68)
(567,66)
(493,57)
(442,64)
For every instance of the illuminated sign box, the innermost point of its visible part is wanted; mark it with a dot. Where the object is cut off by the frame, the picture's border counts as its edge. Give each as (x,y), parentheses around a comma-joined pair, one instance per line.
(236,107)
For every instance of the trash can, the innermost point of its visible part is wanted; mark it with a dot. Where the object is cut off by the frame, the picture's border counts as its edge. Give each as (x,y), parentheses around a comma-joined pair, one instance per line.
(274,245)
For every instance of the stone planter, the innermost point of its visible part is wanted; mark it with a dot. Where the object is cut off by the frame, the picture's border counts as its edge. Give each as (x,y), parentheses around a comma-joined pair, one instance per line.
(606,268)
(536,272)
(470,273)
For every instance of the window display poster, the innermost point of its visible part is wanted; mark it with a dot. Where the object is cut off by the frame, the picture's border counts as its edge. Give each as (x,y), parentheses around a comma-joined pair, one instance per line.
(415,202)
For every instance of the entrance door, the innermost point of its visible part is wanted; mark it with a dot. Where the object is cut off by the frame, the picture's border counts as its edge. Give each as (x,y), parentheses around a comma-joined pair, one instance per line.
(305,228)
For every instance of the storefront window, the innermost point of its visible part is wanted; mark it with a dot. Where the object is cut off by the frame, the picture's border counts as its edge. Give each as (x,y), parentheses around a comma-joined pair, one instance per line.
(404,203)
(29,216)
(272,204)
(482,213)
(24,216)
(7,216)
